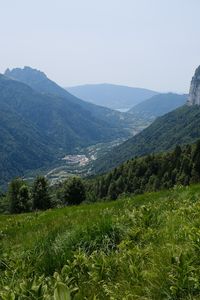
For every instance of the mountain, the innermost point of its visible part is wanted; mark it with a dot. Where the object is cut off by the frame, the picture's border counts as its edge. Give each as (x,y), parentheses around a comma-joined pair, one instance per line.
(37,80)
(38,129)
(110,95)
(158,105)
(180,126)
(194,95)
(22,145)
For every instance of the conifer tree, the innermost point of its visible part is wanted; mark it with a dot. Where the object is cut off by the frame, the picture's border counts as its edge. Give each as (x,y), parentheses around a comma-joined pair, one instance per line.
(13,195)
(40,194)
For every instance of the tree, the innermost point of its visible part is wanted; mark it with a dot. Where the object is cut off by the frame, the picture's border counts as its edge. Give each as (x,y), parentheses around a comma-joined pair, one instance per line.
(17,198)
(74,191)
(24,198)
(112,191)
(196,160)
(40,194)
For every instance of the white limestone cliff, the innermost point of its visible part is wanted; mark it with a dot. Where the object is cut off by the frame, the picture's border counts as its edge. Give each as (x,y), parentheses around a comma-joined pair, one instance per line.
(194,94)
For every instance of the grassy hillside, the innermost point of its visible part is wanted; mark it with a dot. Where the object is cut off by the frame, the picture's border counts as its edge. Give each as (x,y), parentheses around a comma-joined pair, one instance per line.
(178,127)
(144,247)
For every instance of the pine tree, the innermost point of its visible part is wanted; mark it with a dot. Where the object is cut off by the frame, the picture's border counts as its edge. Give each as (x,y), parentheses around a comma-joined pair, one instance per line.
(40,194)
(13,195)
(112,191)
(24,198)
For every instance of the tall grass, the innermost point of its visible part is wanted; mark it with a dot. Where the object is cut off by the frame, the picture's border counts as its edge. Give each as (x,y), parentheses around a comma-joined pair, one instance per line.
(145,247)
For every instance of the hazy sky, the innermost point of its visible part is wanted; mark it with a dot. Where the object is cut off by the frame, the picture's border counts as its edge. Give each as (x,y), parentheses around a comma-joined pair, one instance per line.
(145,43)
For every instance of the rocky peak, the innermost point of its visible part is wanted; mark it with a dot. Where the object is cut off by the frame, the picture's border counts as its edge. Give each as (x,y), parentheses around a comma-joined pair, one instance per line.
(194,95)
(27,73)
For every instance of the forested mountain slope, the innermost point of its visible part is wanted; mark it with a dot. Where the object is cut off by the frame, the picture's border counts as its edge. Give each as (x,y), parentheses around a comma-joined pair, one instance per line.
(41,83)
(180,126)
(149,173)
(158,105)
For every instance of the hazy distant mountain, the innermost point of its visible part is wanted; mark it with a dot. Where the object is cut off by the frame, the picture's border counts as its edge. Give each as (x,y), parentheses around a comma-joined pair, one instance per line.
(158,105)
(110,95)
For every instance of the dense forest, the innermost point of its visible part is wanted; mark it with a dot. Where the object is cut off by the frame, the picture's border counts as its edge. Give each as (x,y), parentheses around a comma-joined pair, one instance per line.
(150,173)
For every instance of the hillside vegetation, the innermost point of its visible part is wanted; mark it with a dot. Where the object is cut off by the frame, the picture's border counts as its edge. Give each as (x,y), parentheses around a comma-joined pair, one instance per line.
(143,247)
(149,173)
(178,127)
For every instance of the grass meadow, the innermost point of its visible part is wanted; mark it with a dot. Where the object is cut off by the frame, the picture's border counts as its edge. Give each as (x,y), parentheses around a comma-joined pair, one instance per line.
(142,247)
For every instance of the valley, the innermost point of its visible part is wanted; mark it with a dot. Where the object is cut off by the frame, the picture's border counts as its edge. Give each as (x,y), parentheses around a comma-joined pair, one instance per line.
(80,163)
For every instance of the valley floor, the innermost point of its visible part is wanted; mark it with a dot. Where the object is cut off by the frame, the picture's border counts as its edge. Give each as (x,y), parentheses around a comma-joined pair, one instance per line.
(143,247)
(79,163)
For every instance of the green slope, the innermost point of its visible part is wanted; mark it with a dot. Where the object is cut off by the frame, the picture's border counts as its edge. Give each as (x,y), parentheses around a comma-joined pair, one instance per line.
(180,126)
(158,105)
(41,83)
(148,173)
(144,247)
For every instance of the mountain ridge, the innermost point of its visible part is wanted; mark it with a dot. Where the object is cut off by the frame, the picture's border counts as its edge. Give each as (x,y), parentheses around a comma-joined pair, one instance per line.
(29,76)
(111,95)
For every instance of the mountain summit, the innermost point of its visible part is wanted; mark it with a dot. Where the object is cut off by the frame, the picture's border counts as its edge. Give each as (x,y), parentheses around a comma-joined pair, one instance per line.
(27,72)
(194,95)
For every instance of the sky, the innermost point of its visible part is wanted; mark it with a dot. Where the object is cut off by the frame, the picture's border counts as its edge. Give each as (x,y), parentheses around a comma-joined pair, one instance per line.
(153,44)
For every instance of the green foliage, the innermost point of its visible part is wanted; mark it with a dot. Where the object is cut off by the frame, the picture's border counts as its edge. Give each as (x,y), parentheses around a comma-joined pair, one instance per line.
(4,204)
(61,292)
(19,196)
(149,173)
(24,197)
(142,247)
(40,194)
(74,191)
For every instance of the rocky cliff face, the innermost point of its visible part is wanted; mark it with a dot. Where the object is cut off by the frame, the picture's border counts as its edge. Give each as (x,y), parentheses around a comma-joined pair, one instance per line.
(194,95)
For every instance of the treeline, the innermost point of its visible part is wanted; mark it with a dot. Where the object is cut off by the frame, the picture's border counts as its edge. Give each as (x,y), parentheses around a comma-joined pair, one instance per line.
(145,174)
(22,197)
(149,173)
